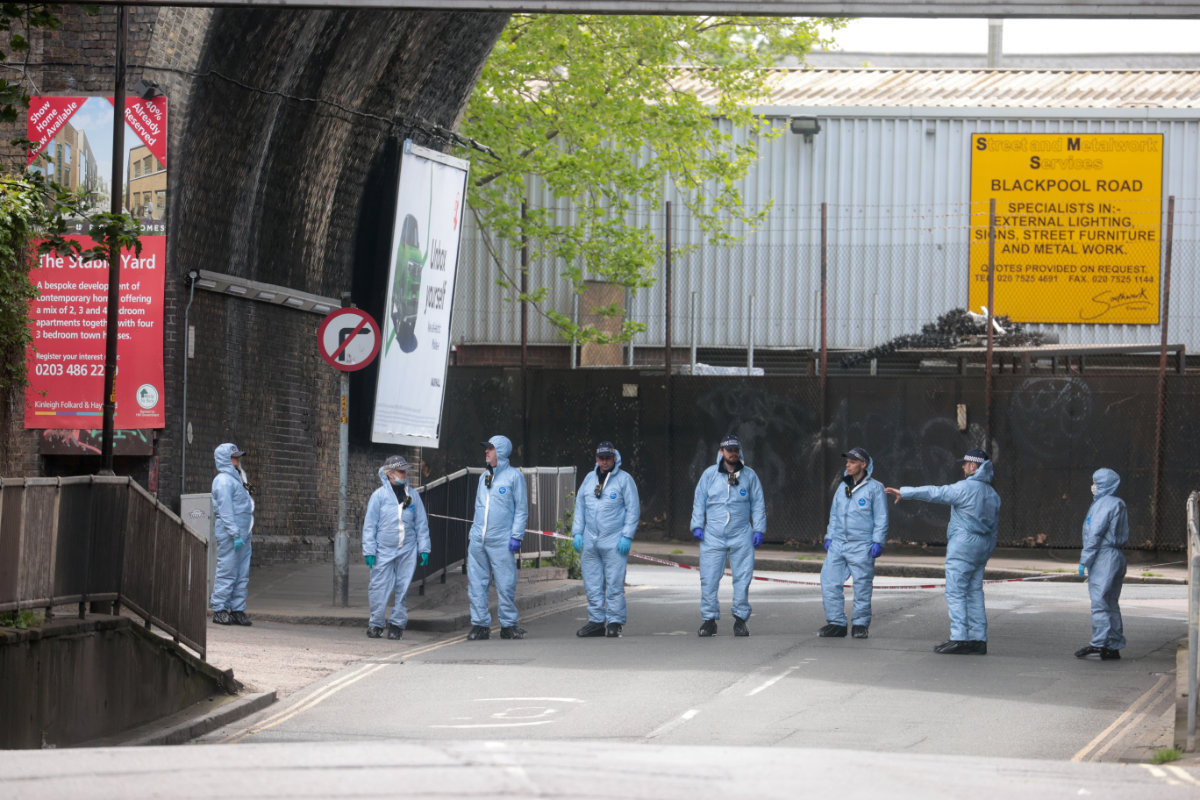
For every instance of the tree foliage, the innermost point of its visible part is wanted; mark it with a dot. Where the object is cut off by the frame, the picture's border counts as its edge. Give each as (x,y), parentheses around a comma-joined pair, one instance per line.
(34,212)
(593,107)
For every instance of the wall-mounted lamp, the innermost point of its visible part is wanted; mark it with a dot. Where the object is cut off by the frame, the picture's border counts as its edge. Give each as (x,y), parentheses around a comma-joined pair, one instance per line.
(808,127)
(262,292)
(147,90)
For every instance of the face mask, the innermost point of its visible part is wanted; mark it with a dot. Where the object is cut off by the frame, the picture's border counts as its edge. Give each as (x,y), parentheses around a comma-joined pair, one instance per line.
(1094,490)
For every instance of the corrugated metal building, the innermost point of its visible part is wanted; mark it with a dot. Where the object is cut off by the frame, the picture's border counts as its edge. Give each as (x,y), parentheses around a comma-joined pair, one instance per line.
(892,164)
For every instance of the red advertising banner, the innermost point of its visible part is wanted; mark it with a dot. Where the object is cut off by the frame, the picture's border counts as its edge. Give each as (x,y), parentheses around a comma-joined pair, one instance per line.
(68,319)
(65,364)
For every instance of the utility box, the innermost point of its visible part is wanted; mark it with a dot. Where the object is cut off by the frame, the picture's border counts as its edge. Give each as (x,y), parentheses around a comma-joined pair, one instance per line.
(196,512)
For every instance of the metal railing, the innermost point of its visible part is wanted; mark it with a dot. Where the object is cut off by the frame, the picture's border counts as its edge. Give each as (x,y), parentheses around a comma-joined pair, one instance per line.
(98,539)
(1193,524)
(450,506)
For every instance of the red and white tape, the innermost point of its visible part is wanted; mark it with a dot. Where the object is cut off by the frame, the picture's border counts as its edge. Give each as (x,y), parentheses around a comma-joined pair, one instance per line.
(893,587)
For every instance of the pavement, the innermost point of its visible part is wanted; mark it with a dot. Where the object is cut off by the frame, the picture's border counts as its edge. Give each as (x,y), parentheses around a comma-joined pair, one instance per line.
(302,593)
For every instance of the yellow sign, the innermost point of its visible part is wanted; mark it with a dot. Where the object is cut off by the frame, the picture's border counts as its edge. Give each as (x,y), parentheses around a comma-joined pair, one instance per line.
(1078,226)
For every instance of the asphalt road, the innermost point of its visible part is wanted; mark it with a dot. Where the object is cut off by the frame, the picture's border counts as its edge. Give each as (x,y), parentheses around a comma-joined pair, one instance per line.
(782,687)
(663,714)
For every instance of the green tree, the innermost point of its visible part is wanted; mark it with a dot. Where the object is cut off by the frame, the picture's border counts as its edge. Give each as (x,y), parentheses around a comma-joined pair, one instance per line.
(35,212)
(597,108)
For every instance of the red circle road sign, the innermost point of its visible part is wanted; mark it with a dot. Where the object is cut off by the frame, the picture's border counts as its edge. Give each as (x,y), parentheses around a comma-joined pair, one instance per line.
(348,339)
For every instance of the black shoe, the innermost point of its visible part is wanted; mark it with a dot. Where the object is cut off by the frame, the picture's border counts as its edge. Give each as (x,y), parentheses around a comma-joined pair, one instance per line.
(1084,652)
(373,632)
(708,628)
(832,631)
(1107,654)
(395,631)
(739,627)
(591,629)
(976,648)
(240,618)
(513,632)
(859,632)
(614,630)
(941,648)
(964,648)
(222,618)
(478,632)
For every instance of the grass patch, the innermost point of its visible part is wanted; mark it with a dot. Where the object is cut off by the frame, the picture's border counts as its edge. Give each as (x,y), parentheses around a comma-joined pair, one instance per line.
(1165,755)
(1151,574)
(21,619)
(809,558)
(677,552)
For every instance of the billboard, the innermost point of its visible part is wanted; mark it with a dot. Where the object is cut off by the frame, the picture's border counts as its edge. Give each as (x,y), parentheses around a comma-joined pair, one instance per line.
(416,321)
(1078,226)
(72,145)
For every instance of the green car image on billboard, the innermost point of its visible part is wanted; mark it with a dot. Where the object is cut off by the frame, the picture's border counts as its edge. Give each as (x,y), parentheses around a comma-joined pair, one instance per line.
(406,286)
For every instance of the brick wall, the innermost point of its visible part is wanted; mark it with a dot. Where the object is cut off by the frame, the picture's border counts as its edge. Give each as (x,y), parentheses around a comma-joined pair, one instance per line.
(284,129)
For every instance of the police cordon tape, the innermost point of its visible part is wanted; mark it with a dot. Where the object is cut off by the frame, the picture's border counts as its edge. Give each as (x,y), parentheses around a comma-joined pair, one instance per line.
(895,587)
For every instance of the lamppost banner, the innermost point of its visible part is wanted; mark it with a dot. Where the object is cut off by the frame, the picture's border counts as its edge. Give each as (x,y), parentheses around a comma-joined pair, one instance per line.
(72,145)
(416,322)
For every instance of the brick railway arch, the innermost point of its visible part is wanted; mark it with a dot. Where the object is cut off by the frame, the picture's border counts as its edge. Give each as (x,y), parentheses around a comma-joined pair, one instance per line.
(285,124)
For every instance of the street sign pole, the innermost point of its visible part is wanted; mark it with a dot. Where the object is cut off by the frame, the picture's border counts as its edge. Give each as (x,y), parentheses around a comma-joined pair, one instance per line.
(348,340)
(341,543)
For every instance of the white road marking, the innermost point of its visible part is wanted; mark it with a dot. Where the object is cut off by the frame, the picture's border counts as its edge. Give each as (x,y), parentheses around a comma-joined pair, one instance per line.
(773,681)
(495,725)
(673,724)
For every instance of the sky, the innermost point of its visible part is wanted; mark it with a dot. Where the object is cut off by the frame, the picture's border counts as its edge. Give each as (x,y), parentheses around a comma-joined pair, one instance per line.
(1055,36)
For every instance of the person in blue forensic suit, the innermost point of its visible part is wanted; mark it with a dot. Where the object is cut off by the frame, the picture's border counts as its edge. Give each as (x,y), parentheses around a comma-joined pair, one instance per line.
(1105,532)
(729,519)
(857,532)
(233,522)
(607,510)
(394,532)
(501,511)
(970,540)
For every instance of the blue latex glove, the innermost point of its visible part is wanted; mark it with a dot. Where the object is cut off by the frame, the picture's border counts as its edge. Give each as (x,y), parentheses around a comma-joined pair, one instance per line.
(237,544)
(876,549)
(827,543)
(577,543)
(1082,569)
(756,540)
(514,545)
(698,534)
(370,561)
(624,545)
(424,559)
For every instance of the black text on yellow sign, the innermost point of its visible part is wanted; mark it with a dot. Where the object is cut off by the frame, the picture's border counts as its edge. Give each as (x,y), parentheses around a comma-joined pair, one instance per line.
(1078,226)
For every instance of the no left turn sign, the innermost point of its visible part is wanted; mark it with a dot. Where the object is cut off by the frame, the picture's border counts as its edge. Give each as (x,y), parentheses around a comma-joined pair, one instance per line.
(348,339)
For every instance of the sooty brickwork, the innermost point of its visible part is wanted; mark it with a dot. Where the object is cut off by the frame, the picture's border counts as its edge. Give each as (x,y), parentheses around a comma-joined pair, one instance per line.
(280,123)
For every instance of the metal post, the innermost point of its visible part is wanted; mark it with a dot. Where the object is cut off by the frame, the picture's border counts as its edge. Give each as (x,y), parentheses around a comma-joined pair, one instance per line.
(575,319)
(1193,644)
(628,314)
(1160,412)
(824,293)
(667,472)
(692,312)
(991,309)
(187,341)
(114,252)
(524,293)
(341,542)
(874,330)
(749,334)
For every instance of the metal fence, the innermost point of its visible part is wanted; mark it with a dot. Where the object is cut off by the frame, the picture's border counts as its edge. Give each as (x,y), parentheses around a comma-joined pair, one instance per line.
(450,506)
(1193,664)
(97,539)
